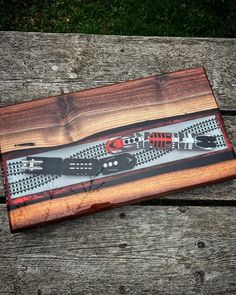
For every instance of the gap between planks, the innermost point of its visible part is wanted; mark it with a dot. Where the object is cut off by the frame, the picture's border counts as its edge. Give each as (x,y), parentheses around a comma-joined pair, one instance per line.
(130,250)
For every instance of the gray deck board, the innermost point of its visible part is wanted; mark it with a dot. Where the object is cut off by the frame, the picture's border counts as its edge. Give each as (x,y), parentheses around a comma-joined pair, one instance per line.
(35,65)
(131,250)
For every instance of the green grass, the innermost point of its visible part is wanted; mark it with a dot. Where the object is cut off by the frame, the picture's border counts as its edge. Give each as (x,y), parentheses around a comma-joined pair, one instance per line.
(199,18)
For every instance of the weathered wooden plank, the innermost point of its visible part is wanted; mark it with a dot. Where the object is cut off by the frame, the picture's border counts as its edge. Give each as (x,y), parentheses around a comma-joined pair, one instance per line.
(133,250)
(36,65)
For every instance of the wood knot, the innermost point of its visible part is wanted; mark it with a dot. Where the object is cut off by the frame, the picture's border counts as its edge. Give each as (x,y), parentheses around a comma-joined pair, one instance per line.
(123,245)
(122,215)
(201,244)
(122,289)
(199,277)
(25,144)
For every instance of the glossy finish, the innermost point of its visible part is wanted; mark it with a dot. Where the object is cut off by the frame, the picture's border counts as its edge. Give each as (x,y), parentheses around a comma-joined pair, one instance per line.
(113,115)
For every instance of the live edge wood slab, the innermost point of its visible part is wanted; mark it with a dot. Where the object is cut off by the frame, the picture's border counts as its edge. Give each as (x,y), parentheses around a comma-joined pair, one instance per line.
(69,118)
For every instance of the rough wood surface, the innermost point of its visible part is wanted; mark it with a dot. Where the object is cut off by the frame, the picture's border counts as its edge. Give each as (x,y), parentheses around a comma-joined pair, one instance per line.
(37,65)
(159,250)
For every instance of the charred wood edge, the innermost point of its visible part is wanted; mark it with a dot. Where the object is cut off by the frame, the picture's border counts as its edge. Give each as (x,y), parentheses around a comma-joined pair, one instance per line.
(177,202)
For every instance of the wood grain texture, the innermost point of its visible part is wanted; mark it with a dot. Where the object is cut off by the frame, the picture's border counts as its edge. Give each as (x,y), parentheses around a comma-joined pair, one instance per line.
(68,118)
(110,197)
(37,65)
(159,250)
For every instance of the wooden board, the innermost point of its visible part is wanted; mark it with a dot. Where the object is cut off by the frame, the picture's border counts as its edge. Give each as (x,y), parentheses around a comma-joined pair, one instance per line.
(36,65)
(176,97)
(132,250)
